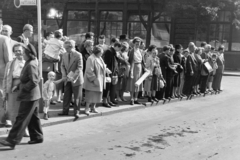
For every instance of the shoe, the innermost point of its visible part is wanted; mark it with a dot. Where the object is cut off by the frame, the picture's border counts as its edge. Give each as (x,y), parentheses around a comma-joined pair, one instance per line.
(53,102)
(45,116)
(136,102)
(111,104)
(8,124)
(155,99)
(35,141)
(114,102)
(106,105)
(59,101)
(132,102)
(94,111)
(119,99)
(124,100)
(63,114)
(87,112)
(6,143)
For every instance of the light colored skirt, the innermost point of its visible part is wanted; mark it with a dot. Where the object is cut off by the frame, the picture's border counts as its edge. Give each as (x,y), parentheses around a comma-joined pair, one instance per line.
(93,96)
(147,84)
(137,73)
(12,103)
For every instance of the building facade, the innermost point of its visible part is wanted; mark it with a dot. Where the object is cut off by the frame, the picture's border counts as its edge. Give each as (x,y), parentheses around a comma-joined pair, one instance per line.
(113,18)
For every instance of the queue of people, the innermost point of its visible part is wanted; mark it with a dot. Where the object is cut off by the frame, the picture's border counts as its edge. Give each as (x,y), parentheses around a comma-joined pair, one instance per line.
(100,74)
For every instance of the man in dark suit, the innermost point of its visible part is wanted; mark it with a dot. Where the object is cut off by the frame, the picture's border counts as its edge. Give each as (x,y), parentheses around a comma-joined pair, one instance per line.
(191,71)
(27,33)
(72,76)
(111,61)
(163,64)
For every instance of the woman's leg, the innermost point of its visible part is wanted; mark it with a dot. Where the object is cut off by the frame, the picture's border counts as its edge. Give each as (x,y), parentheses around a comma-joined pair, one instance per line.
(87,108)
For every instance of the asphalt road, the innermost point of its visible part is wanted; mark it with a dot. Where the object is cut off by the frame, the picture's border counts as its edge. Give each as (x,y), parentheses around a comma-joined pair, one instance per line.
(201,129)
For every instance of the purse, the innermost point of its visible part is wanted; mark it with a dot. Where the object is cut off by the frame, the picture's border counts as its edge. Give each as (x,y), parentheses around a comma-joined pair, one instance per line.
(161,84)
(114,80)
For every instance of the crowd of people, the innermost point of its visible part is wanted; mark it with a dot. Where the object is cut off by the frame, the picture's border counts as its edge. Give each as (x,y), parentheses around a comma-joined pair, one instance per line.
(92,74)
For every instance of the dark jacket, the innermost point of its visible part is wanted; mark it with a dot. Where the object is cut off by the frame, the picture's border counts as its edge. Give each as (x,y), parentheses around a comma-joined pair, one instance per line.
(111,60)
(20,39)
(191,65)
(163,64)
(170,69)
(131,59)
(85,56)
(29,86)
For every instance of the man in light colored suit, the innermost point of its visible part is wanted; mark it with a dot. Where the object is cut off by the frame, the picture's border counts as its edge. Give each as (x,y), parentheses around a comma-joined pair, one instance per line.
(7,31)
(72,76)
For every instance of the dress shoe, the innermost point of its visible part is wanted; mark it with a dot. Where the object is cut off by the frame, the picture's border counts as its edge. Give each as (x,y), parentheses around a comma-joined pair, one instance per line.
(53,102)
(45,116)
(114,102)
(6,143)
(155,99)
(124,100)
(111,104)
(63,114)
(87,112)
(106,105)
(94,111)
(8,124)
(35,141)
(132,102)
(136,102)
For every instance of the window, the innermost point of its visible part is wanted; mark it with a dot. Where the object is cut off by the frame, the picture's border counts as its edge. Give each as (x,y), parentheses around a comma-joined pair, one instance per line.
(110,24)
(82,15)
(235,39)
(161,28)
(52,25)
(219,35)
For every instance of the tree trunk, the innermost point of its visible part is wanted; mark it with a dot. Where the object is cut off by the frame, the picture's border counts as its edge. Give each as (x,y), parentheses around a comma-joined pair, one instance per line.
(149,29)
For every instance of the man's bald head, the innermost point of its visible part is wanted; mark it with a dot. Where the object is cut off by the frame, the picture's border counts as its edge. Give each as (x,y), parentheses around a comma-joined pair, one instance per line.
(6,30)
(191,47)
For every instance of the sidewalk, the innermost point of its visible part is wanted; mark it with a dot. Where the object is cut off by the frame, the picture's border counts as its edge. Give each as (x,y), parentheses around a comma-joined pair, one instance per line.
(122,107)
(231,73)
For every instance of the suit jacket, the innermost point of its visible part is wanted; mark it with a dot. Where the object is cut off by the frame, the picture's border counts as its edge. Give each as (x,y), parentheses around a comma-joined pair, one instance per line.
(111,60)
(94,78)
(191,65)
(29,86)
(220,63)
(170,69)
(85,56)
(75,65)
(5,55)
(20,39)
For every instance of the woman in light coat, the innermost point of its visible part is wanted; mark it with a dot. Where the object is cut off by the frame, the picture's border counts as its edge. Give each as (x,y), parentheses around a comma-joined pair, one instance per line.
(94,79)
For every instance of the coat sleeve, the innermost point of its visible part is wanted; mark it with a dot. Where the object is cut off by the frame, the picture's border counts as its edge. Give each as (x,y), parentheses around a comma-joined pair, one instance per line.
(108,59)
(33,78)
(7,51)
(189,65)
(90,73)
(5,79)
(63,68)
(79,66)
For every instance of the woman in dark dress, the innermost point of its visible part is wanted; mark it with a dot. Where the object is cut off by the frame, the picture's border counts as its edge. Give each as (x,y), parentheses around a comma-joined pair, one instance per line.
(29,94)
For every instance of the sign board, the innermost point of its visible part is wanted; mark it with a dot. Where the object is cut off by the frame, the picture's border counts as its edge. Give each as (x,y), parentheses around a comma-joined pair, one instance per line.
(19,3)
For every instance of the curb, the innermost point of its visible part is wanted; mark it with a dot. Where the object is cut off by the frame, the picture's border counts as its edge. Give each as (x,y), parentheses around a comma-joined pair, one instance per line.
(131,108)
(232,75)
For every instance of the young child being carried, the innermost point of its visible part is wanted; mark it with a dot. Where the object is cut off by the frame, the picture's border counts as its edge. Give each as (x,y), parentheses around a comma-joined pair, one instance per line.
(54,47)
(48,92)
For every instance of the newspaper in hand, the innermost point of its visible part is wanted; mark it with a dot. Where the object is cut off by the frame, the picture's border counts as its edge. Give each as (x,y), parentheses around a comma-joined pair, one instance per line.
(71,76)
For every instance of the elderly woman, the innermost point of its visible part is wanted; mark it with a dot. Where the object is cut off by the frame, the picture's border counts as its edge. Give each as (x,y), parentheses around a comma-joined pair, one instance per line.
(29,94)
(12,78)
(94,79)
(136,70)
(87,51)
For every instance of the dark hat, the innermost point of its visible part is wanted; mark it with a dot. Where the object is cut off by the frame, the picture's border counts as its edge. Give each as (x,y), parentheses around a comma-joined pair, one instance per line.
(166,47)
(31,50)
(123,37)
(178,46)
(137,39)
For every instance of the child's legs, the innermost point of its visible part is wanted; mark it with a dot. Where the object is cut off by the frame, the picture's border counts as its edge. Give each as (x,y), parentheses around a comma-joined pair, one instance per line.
(46,106)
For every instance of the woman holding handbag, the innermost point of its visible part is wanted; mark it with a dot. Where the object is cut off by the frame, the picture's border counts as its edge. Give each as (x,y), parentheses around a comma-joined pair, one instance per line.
(94,79)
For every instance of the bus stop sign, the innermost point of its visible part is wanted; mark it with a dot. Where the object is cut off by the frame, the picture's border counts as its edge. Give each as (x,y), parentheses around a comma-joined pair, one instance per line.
(19,3)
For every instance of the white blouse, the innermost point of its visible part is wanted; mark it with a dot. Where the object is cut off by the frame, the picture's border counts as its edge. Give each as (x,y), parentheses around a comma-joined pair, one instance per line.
(137,56)
(18,66)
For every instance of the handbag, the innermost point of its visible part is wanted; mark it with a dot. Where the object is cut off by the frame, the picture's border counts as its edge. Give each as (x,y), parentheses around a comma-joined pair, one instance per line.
(161,84)
(114,80)
(208,67)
